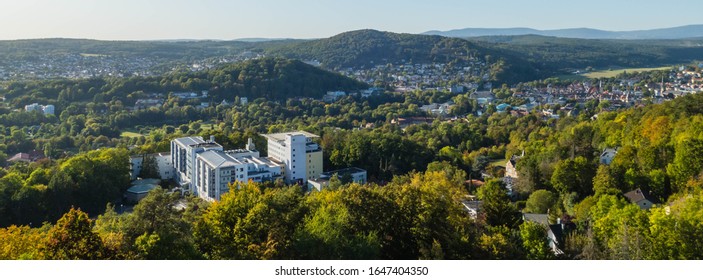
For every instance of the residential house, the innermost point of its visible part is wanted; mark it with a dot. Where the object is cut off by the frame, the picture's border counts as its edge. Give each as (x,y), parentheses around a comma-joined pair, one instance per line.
(557,233)
(541,219)
(32,156)
(472,207)
(607,156)
(641,198)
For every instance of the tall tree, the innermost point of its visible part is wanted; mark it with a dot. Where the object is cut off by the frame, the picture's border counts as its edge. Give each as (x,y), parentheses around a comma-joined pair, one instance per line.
(150,169)
(496,205)
(535,241)
(72,238)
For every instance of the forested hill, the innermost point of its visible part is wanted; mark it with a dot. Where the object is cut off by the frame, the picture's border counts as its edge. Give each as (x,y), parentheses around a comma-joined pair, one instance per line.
(560,53)
(366,48)
(276,78)
(270,78)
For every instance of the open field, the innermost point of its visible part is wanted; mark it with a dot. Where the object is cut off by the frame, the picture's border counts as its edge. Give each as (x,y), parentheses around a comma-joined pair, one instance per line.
(498,162)
(607,73)
(207,126)
(130,134)
(613,73)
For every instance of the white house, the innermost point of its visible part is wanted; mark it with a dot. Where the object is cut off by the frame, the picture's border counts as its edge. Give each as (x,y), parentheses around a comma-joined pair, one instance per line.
(607,156)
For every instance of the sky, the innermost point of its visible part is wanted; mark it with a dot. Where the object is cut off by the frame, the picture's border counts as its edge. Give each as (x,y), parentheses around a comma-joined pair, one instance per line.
(233,19)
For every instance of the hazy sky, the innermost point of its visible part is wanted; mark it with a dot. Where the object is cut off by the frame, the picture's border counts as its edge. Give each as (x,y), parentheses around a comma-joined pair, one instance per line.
(231,19)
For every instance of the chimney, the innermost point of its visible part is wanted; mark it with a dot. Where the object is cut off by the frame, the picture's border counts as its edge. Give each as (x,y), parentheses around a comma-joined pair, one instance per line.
(250,145)
(212,138)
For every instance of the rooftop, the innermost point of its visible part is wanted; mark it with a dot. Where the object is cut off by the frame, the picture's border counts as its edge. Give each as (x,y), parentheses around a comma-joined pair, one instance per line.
(342,172)
(218,158)
(638,195)
(144,188)
(187,141)
(280,137)
(542,219)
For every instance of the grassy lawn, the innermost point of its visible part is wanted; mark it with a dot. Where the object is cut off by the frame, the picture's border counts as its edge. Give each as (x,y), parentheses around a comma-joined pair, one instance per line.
(613,73)
(206,126)
(130,134)
(498,162)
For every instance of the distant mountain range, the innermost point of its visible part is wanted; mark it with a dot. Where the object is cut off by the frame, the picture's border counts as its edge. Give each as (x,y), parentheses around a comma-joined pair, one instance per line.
(681,32)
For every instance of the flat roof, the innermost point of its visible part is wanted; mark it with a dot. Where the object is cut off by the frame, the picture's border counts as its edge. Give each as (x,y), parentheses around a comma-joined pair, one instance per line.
(282,136)
(218,158)
(146,181)
(187,141)
(144,188)
(342,172)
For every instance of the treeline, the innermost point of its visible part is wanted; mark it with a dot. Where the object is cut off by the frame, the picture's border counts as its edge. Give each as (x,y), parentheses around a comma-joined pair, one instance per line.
(417,216)
(551,53)
(43,191)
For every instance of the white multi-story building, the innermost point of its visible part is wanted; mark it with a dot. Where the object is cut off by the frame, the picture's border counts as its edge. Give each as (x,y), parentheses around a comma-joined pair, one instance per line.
(206,169)
(47,110)
(183,153)
(296,150)
(217,169)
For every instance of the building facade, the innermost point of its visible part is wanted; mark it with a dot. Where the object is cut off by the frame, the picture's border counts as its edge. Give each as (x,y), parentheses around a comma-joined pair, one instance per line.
(163,162)
(206,169)
(217,169)
(296,150)
(183,153)
(47,110)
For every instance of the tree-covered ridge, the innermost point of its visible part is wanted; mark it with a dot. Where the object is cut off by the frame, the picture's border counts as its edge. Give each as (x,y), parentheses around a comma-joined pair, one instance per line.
(276,79)
(366,48)
(551,53)
(270,78)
